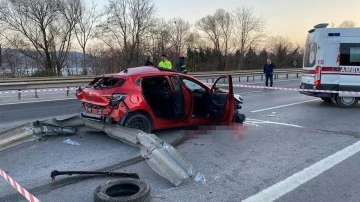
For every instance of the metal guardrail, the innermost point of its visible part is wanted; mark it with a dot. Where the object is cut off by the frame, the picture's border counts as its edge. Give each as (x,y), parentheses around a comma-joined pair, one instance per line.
(78,81)
(60,78)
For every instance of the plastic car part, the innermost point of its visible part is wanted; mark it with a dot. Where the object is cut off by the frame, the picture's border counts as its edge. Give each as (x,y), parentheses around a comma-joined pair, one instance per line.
(55,173)
(123,190)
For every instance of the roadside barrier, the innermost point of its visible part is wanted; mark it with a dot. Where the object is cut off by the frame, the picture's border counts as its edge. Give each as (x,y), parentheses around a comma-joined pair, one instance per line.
(19,188)
(290,89)
(36,91)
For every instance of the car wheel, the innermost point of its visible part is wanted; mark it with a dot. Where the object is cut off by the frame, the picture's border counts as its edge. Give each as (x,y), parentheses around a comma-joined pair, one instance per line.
(347,102)
(139,121)
(326,99)
(123,190)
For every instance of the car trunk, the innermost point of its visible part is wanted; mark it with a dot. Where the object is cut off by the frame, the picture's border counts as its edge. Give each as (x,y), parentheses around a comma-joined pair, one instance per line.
(100,90)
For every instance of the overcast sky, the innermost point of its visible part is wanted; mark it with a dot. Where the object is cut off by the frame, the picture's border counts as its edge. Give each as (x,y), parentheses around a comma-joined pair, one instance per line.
(291,18)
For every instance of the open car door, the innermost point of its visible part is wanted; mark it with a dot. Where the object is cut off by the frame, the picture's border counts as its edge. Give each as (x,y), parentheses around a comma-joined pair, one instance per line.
(182,99)
(221,101)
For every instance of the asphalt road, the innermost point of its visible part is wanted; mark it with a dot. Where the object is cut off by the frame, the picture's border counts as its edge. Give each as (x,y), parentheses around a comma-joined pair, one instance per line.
(286,133)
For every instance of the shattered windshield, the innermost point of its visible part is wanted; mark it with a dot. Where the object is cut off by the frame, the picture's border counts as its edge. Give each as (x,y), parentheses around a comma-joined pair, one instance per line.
(107,82)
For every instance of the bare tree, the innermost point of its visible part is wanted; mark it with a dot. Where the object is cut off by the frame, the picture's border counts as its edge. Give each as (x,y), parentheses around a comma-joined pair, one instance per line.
(224,20)
(32,19)
(61,32)
(209,26)
(84,29)
(347,23)
(250,29)
(218,28)
(128,21)
(284,51)
(45,25)
(179,30)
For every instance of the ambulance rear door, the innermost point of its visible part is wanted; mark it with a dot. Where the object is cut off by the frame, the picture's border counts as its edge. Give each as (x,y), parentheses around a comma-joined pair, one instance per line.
(309,61)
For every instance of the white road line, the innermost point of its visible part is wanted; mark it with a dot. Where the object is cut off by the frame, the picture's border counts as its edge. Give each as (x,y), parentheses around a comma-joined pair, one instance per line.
(14,103)
(257,121)
(260,110)
(285,186)
(248,92)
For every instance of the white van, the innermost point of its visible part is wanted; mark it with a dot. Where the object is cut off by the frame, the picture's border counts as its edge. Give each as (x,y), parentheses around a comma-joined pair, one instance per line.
(332,62)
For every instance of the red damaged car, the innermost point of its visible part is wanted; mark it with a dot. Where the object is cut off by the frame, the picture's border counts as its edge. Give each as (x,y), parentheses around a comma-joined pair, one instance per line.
(151,98)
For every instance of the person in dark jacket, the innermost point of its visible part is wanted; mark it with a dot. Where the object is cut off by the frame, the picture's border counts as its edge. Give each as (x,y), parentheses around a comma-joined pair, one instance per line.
(149,61)
(268,71)
(180,64)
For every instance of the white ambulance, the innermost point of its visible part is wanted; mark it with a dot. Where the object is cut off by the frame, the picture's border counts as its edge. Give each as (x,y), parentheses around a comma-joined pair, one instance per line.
(332,62)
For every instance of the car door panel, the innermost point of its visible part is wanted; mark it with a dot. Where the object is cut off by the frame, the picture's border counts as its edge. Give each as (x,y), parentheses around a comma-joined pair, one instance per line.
(220,101)
(182,99)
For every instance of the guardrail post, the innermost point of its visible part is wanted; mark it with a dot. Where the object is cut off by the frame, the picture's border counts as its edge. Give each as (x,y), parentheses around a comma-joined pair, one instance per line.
(67,91)
(36,93)
(19,94)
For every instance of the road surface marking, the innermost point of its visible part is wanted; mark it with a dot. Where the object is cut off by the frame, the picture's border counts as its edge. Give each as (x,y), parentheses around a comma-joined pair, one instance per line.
(285,186)
(296,103)
(35,101)
(257,121)
(248,92)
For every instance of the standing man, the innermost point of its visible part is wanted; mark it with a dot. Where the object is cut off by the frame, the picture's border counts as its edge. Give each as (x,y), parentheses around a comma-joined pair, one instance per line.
(164,63)
(268,71)
(149,61)
(180,64)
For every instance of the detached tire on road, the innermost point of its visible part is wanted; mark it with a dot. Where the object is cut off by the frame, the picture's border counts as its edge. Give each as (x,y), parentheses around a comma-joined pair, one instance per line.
(123,190)
(139,121)
(346,102)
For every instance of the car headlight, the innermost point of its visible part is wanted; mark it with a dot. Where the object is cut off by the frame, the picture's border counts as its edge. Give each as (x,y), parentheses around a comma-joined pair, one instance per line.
(239,98)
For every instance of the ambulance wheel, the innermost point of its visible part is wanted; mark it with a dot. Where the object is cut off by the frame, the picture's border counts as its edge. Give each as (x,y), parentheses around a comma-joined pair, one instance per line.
(347,102)
(326,99)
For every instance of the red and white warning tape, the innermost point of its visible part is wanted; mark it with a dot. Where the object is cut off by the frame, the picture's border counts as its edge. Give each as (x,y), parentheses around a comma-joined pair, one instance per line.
(19,188)
(291,89)
(210,84)
(37,90)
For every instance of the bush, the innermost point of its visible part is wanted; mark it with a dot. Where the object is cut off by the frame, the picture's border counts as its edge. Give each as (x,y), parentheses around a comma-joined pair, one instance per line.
(44,73)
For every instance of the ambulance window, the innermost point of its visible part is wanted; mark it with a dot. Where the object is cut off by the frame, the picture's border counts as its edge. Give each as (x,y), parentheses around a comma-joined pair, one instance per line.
(350,54)
(310,55)
(354,54)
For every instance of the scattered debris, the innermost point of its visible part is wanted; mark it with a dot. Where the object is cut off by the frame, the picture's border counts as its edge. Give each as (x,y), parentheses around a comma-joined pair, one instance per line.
(162,157)
(55,173)
(71,142)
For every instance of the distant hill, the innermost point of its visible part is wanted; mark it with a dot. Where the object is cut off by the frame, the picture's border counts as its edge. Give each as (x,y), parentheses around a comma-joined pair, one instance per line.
(12,58)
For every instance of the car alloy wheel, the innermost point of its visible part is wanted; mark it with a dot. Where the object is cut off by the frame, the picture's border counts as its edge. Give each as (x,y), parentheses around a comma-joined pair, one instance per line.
(139,121)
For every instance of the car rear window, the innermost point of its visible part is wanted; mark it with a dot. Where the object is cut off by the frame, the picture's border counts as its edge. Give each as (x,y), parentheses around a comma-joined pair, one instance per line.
(107,82)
